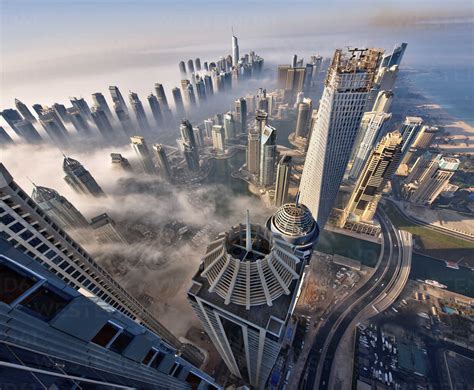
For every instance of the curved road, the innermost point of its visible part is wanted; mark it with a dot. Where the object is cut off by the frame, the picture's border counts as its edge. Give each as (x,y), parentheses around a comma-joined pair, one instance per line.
(334,326)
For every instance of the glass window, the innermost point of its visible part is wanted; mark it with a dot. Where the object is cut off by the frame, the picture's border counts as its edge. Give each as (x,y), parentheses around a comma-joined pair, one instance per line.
(148,356)
(17,227)
(45,302)
(121,342)
(105,335)
(13,283)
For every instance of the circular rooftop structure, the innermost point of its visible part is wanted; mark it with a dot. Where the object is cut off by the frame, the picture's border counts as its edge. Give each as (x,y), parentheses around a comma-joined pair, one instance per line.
(251,274)
(295,224)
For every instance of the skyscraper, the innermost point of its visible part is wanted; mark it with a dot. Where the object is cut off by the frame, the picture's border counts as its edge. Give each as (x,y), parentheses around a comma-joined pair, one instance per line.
(11,116)
(117,98)
(100,102)
(26,227)
(163,101)
(218,138)
(124,118)
(208,84)
(58,208)
(303,116)
(82,106)
(268,155)
(188,94)
(79,178)
(163,162)
(235,51)
(379,169)
(119,161)
(187,133)
(244,293)
(137,107)
(409,130)
(241,114)
(156,110)
(372,127)
(426,137)
(61,112)
(5,139)
(105,230)
(282,183)
(27,131)
(190,67)
(192,157)
(182,69)
(144,157)
(253,153)
(229,126)
(54,127)
(432,180)
(197,62)
(78,121)
(103,124)
(201,90)
(178,102)
(394,57)
(24,111)
(347,87)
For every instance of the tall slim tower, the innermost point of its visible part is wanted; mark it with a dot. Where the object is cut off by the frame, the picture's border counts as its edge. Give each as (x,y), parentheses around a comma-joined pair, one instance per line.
(24,111)
(79,178)
(246,288)
(141,149)
(235,51)
(27,131)
(229,126)
(27,227)
(117,97)
(178,102)
(241,114)
(124,119)
(303,117)
(163,101)
(54,127)
(5,138)
(282,183)
(268,156)
(163,161)
(218,138)
(409,130)
(379,169)
(102,122)
(137,107)
(156,110)
(82,106)
(347,87)
(58,208)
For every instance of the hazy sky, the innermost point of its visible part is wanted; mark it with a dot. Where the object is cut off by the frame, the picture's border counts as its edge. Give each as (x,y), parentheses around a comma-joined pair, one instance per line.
(54,49)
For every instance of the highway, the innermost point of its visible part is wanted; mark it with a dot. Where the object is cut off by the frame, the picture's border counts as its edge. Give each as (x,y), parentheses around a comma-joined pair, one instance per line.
(318,364)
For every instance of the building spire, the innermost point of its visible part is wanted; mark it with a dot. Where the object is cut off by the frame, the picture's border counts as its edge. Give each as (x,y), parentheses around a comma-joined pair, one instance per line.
(248,232)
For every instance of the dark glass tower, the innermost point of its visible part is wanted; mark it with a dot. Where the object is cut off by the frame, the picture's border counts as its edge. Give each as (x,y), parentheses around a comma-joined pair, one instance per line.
(80,179)
(137,107)
(24,110)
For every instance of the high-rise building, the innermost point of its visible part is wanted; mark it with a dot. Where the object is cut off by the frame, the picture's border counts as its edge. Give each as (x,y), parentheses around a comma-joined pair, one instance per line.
(192,157)
(197,62)
(268,156)
(124,119)
(431,180)
(348,84)
(182,69)
(282,184)
(144,156)
(303,116)
(100,102)
(38,108)
(119,161)
(79,178)
(117,98)
(253,153)
(103,124)
(163,101)
(409,130)
(379,169)
(156,110)
(187,133)
(201,90)
(190,67)
(78,121)
(5,138)
(198,136)
(208,123)
(291,78)
(208,84)
(11,116)
(178,102)
(27,131)
(26,227)
(241,114)
(105,230)
(246,288)
(426,137)
(82,106)
(394,57)
(54,127)
(229,126)
(235,51)
(80,342)
(163,161)
(137,107)
(61,112)
(218,138)
(372,127)
(58,208)
(188,94)
(24,111)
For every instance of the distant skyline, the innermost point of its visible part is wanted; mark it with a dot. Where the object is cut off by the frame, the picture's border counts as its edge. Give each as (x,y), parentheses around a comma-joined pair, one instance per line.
(54,49)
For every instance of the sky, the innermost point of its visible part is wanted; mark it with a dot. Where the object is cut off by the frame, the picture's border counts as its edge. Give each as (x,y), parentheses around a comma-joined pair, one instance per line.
(50,50)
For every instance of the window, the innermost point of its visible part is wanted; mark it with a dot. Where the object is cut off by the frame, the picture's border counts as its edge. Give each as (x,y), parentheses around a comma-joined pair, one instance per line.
(121,342)
(148,356)
(13,283)
(106,334)
(45,302)
(157,360)
(178,370)
(17,227)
